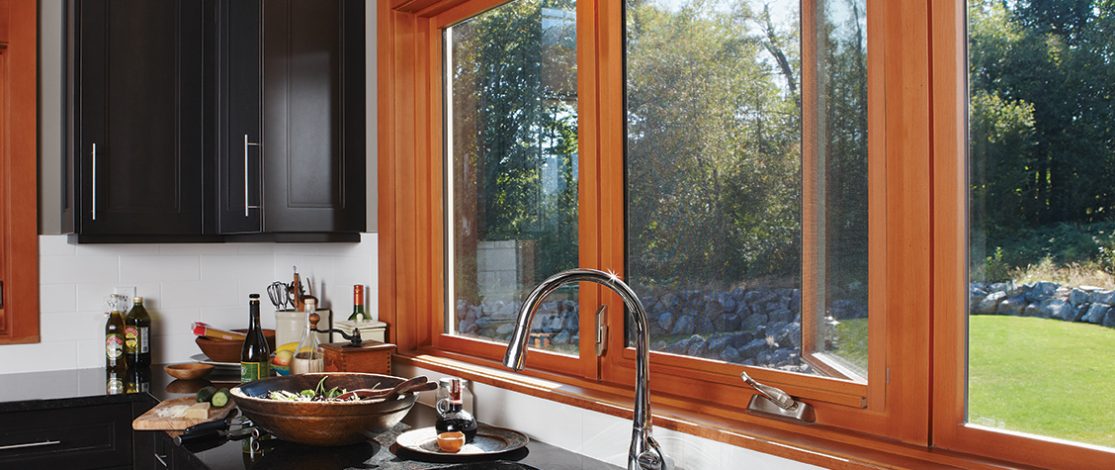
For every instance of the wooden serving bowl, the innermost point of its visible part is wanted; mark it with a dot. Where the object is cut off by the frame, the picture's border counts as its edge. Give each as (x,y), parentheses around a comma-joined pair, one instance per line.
(188,371)
(223,350)
(323,423)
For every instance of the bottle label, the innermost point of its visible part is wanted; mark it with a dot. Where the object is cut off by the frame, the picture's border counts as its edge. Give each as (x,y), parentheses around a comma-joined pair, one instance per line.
(130,334)
(144,339)
(252,371)
(114,348)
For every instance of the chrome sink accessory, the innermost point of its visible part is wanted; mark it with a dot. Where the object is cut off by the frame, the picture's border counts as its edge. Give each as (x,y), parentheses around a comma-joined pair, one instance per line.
(644,453)
(773,401)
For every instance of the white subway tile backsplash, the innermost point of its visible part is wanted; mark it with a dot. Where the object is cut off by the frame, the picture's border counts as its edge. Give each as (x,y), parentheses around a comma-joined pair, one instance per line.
(59,298)
(159,267)
(37,357)
(55,246)
(74,269)
(197,293)
(94,296)
(181,283)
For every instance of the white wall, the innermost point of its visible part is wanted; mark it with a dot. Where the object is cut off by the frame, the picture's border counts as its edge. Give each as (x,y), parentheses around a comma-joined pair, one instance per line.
(598,435)
(181,283)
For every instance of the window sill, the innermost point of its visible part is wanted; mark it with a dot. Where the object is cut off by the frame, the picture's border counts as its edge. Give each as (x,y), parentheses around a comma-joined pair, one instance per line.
(817,445)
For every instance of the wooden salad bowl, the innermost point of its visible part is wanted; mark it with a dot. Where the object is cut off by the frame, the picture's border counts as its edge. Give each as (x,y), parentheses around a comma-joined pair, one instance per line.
(223,350)
(323,423)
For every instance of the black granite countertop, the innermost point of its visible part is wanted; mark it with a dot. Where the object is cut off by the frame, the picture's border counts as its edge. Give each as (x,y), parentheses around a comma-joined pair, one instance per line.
(83,387)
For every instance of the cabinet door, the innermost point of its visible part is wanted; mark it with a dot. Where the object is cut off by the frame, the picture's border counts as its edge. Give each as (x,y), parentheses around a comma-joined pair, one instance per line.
(239,166)
(141,117)
(313,115)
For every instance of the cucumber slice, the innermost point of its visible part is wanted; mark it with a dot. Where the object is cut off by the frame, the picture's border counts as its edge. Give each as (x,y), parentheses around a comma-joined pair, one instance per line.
(206,394)
(219,398)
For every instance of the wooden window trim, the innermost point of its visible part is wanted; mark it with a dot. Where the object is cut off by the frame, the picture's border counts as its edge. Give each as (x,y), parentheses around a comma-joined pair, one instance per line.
(823,446)
(412,261)
(950,183)
(19,243)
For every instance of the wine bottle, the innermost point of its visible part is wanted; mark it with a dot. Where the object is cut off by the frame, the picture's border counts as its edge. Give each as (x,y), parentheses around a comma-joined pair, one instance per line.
(137,336)
(358,314)
(255,356)
(114,343)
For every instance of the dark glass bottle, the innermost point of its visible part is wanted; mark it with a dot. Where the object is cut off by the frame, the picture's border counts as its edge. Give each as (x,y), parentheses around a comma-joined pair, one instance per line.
(452,415)
(137,340)
(114,342)
(255,356)
(138,380)
(115,364)
(358,314)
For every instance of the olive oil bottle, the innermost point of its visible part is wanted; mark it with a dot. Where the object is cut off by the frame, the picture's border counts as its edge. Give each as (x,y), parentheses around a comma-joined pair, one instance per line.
(114,342)
(255,356)
(137,336)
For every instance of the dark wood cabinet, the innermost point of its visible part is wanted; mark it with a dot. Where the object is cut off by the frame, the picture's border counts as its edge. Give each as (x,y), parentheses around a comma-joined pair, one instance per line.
(138,104)
(293,151)
(209,120)
(98,436)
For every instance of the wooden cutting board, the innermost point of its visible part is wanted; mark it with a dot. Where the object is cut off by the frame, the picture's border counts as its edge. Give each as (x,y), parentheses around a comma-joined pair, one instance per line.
(151,421)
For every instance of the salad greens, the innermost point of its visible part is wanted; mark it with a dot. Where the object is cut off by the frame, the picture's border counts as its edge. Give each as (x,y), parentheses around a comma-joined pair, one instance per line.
(318,393)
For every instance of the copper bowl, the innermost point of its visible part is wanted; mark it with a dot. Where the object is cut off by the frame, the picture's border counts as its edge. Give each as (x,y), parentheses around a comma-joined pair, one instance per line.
(223,350)
(323,423)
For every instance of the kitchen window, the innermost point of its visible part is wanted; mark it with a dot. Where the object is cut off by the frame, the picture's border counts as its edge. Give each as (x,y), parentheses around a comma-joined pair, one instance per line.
(729,166)
(800,166)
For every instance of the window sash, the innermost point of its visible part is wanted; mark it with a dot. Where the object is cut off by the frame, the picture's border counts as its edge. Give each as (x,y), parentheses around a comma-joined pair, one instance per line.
(949,282)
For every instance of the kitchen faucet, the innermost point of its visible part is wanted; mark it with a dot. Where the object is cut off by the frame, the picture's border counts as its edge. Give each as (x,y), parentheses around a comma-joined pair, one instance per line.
(645,454)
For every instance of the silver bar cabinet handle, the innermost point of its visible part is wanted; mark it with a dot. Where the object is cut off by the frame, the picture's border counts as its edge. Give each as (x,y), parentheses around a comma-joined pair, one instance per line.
(246,192)
(245,175)
(30,444)
(94,181)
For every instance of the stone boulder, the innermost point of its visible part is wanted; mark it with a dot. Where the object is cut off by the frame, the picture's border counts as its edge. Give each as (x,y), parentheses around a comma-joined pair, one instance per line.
(1078,297)
(1096,313)
(730,354)
(1012,306)
(990,304)
(727,322)
(685,325)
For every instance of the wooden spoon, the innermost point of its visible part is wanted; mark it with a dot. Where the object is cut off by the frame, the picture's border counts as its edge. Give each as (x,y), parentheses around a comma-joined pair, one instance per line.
(373,393)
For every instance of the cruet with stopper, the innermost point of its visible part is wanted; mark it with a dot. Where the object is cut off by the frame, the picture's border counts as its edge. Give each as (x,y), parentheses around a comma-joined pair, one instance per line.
(309,357)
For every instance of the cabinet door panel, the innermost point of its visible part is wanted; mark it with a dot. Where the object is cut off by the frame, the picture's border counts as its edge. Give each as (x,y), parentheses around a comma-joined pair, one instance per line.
(314,165)
(141,101)
(241,82)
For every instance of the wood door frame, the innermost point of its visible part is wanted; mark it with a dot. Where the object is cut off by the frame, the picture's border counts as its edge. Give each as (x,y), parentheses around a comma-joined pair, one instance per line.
(19,241)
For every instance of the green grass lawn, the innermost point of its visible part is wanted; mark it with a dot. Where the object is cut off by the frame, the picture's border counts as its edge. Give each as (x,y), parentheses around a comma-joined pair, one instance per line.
(1044,377)
(1033,375)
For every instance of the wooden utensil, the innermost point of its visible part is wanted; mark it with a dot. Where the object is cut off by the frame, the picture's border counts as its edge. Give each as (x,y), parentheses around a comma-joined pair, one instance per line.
(374,393)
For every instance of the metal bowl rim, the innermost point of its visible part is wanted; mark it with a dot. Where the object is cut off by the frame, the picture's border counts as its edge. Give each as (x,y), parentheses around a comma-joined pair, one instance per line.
(240,395)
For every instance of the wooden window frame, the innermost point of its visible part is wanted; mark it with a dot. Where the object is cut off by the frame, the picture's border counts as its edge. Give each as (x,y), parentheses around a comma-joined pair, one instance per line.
(19,242)
(950,247)
(411,213)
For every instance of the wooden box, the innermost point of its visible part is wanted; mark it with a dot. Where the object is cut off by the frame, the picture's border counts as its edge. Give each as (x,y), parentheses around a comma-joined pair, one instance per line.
(371,357)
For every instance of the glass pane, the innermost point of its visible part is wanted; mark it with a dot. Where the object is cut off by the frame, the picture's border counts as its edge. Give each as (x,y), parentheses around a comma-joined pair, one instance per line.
(511,154)
(1041,338)
(727,203)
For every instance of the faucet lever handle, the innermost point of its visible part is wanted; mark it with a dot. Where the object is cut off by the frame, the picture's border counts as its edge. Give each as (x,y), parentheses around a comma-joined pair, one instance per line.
(774,394)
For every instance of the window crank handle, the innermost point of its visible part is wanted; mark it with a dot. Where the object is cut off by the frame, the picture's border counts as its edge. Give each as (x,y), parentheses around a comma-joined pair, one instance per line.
(774,394)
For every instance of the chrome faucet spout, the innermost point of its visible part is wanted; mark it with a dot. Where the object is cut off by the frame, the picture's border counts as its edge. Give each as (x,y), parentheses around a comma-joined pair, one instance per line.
(644,453)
